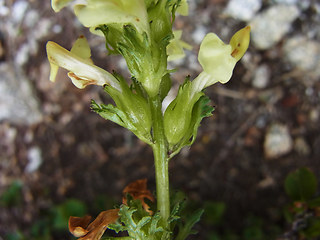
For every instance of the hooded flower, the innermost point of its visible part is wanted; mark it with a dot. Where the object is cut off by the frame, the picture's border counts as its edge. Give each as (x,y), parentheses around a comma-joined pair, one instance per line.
(57,5)
(219,59)
(92,13)
(81,69)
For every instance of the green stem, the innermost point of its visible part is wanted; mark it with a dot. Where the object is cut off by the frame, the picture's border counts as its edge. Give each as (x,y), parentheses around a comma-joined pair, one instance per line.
(161,160)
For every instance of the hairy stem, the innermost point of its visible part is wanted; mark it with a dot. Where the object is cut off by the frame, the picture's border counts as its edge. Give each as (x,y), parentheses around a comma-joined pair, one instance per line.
(160,150)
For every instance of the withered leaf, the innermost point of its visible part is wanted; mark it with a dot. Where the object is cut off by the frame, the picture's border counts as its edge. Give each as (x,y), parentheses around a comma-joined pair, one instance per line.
(78,225)
(95,229)
(138,190)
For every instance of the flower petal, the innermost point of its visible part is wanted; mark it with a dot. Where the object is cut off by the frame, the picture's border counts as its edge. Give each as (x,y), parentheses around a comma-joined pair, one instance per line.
(82,72)
(82,49)
(183,8)
(240,42)
(175,49)
(57,5)
(98,12)
(215,58)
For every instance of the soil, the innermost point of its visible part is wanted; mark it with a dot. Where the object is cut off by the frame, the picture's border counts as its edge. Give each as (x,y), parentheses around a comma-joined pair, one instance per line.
(84,157)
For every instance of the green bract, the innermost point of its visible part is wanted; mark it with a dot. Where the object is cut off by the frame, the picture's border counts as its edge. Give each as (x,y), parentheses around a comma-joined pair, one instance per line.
(131,111)
(183,116)
(177,116)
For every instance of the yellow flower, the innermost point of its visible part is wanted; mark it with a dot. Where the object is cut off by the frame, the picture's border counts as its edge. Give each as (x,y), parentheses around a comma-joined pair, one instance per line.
(93,13)
(81,69)
(175,48)
(219,59)
(183,8)
(57,5)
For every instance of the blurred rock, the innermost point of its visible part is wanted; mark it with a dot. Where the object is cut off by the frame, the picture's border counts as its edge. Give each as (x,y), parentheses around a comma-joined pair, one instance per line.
(4,10)
(314,115)
(261,77)
(286,1)
(243,9)
(270,26)
(199,33)
(278,141)
(18,10)
(34,159)
(301,146)
(18,103)
(303,54)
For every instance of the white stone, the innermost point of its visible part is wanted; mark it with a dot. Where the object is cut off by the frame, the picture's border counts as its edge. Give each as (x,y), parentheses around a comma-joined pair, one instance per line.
(278,141)
(32,17)
(301,146)
(18,104)
(18,11)
(199,33)
(304,54)
(4,11)
(269,27)
(243,9)
(261,77)
(34,159)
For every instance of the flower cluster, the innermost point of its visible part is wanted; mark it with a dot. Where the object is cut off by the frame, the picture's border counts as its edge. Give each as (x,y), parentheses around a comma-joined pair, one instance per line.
(141,31)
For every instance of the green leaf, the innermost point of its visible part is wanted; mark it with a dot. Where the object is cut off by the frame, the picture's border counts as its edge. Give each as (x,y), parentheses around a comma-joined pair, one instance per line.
(186,229)
(71,207)
(41,230)
(143,222)
(301,185)
(313,229)
(117,238)
(15,236)
(214,212)
(12,196)
(154,228)
(313,203)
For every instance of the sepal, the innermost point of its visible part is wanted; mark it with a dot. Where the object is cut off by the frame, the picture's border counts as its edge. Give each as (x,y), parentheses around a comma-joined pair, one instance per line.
(183,116)
(131,111)
(146,60)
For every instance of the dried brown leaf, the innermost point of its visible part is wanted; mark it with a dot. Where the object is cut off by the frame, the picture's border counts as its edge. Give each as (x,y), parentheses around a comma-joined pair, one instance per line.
(138,190)
(79,226)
